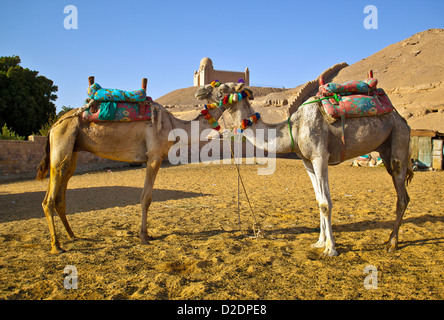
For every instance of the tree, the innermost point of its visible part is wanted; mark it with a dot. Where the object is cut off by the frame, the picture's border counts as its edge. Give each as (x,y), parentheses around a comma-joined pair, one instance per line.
(64,110)
(26,99)
(53,119)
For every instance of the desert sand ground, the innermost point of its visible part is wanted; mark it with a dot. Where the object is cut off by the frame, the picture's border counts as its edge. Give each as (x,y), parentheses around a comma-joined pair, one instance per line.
(198,251)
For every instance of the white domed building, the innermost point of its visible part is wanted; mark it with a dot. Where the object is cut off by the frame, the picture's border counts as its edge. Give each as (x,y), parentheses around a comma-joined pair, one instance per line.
(206,74)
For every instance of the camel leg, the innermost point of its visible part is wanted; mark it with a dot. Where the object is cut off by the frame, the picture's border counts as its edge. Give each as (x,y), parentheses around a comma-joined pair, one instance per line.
(152,168)
(48,208)
(396,157)
(57,172)
(309,167)
(60,203)
(399,173)
(320,167)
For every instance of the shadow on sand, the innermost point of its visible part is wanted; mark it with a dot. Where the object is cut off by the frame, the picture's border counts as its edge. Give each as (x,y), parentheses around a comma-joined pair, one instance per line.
(27,205)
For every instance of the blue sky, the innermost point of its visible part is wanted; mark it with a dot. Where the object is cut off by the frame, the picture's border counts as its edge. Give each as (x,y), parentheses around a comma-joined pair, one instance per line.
(283,43)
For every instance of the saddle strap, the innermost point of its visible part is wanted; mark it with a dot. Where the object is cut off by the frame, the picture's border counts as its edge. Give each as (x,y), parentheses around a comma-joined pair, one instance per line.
(93,106)
(142,109)
(343,137)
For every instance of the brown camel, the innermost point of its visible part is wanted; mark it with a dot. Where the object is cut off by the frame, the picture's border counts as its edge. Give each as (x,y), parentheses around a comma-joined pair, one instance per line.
(138,141)
(318,144)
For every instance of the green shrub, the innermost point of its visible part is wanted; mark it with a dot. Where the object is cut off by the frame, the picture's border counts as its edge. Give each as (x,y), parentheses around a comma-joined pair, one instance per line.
(45,128)
(9,134)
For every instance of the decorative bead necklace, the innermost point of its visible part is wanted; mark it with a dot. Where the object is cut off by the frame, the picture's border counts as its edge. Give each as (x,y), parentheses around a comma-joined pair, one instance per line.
(247,123)
(215,83)
(214,124)
(228,99)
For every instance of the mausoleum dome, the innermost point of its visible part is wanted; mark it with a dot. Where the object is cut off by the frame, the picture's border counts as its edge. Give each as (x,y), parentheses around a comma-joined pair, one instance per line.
(206,62)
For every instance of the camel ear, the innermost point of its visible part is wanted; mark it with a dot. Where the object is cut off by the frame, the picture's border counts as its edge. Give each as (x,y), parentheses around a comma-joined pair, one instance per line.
(239,87)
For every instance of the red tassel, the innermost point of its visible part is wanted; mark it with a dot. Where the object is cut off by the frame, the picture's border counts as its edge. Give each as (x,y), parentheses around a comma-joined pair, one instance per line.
(225,101)
(244,124)
(204,112)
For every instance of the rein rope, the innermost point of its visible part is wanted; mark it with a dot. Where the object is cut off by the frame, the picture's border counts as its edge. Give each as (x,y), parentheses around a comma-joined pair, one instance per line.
(234,97)
(335,96)
(291,134)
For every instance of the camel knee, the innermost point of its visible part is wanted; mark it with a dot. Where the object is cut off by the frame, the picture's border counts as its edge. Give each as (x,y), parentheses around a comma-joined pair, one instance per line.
(146,200)
(395,166)
(48,204)
(404,201)
(325,208)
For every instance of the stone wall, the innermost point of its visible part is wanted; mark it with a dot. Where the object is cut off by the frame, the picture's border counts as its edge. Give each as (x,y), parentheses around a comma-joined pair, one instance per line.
(19,159)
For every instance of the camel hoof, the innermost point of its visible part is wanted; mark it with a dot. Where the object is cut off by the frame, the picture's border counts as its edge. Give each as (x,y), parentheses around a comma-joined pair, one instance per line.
(318,244)
(391,245)
(145,239)
(329,253)
(57,250)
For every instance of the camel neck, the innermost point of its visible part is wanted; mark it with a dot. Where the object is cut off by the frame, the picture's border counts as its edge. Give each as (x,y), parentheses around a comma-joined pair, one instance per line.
(269,136)
(196,127)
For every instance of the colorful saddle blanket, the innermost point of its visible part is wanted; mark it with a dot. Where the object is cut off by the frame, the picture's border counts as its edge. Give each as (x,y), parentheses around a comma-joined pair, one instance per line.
(96,92)
(349,87)
(119,111)
(355,99)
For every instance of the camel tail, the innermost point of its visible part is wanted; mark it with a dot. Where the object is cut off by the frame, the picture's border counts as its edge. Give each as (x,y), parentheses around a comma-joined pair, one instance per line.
(43,167)
(409,176)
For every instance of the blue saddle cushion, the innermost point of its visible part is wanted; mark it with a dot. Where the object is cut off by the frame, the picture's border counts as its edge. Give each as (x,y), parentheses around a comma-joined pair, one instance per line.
(96,92)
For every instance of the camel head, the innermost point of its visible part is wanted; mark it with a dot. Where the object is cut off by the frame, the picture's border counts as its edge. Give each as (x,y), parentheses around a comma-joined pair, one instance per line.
(232,96)
(204,92)
(228,88)
(216,92)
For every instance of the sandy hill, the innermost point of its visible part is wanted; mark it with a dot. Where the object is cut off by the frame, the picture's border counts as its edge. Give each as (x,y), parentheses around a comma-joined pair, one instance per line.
(410,71)
(185,96)
(183,104)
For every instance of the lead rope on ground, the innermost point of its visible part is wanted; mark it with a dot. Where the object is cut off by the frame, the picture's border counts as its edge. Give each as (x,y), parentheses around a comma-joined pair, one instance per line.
(256,226)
